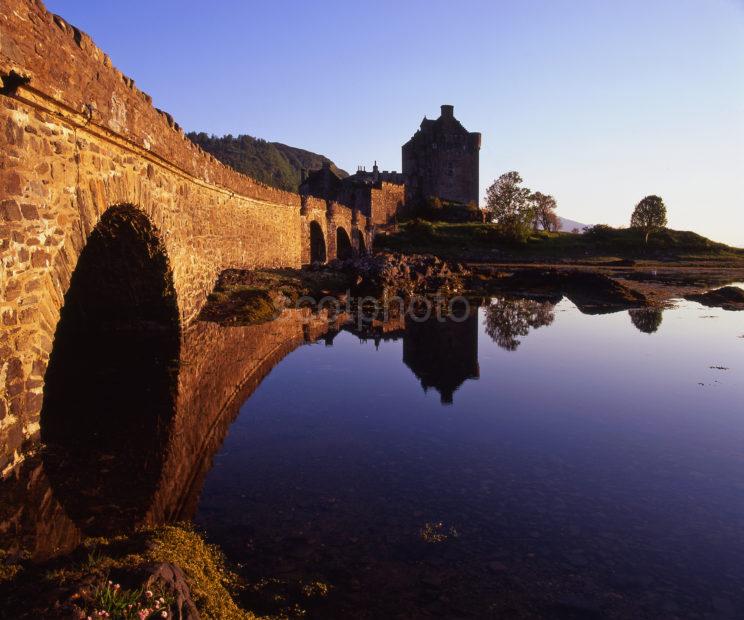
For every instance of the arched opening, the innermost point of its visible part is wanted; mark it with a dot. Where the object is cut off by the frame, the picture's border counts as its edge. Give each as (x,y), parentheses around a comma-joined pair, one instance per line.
(343,244)
(361,246)
(317,244)
(109,392)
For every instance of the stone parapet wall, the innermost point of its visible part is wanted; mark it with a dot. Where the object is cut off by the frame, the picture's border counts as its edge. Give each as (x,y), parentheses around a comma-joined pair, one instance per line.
(62,63)
(78,138)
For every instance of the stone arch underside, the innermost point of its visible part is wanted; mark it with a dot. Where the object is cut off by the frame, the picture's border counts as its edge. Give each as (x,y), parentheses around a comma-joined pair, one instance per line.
(360,244)
(318,247)
(344,248)
(109,389)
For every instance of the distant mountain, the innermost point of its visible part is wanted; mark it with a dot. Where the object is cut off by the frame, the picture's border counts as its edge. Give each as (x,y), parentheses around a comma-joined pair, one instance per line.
(272,163)
(568,225)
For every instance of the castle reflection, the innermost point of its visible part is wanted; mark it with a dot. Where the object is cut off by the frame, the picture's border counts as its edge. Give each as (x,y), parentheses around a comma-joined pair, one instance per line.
(442,353)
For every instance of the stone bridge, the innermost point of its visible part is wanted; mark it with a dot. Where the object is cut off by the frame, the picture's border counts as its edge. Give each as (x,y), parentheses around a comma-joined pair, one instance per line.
(110,216)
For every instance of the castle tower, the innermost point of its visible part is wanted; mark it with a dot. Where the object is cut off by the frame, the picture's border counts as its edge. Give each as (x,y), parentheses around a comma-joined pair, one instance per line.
(442,160)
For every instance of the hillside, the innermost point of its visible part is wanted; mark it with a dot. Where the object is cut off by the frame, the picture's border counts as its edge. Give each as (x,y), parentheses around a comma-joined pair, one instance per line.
(272,163)
(569,225)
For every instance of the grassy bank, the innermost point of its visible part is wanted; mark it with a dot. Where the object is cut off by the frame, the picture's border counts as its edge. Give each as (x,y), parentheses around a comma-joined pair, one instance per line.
(114,575)
(483,242)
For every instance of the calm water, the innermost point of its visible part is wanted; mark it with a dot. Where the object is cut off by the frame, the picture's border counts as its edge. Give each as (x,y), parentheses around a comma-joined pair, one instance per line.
(529,462)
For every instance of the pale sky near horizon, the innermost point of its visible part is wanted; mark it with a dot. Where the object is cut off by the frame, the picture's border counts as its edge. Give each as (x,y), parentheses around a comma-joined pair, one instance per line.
(598,103)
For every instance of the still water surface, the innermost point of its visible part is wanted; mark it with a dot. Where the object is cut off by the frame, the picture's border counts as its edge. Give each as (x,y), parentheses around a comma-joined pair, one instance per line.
(532,461)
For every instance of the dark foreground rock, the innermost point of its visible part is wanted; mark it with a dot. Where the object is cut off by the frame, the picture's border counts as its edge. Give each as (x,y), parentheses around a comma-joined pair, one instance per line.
(727,297)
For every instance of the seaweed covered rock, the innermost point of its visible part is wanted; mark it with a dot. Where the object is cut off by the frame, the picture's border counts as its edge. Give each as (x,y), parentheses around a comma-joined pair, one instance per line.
(726,297)
(593,293)
(390,274)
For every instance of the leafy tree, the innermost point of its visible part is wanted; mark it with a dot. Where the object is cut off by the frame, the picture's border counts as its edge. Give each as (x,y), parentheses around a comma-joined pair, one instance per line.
(544,207)
(509,205)
(649,215)
(552,222)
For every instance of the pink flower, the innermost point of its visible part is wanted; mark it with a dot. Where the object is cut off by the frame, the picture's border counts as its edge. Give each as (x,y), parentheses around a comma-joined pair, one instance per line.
(163,614)
(148,594)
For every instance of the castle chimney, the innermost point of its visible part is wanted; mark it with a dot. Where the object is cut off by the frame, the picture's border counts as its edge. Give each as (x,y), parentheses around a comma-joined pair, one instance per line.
(448,111)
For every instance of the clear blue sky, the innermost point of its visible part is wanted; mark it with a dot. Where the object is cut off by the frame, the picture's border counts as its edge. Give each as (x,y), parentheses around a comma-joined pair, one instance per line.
(598,103)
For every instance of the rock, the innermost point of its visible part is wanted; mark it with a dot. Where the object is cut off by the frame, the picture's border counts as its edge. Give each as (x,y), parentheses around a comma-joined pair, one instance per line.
(593,293)
(388,274)
(171,577)
(727,297)
(497,567)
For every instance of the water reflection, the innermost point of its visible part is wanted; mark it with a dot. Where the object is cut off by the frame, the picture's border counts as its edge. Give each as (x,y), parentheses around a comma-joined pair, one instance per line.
(131,423)
(442,353)
(508,319)
(647,320)
(610,490)
(558,496)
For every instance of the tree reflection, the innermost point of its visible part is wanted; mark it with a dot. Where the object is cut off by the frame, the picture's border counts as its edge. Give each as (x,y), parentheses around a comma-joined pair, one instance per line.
(509,318)
(646,320)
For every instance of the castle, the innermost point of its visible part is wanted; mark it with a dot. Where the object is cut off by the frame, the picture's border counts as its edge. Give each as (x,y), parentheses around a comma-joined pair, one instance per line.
(440,161)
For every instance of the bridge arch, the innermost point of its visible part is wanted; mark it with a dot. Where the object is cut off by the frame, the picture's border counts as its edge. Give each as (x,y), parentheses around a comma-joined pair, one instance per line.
(344,248)
(318,252)
(361,246)
(109,388)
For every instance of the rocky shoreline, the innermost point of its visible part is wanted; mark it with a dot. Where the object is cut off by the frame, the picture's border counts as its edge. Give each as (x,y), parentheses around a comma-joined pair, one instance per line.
(249,297)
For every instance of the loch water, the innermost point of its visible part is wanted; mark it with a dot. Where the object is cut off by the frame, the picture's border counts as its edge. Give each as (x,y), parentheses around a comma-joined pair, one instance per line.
(531,461)
(525,461)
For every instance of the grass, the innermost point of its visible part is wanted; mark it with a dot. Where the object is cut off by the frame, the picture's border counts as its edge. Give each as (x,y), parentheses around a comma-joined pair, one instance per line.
(90,577)
(477,241)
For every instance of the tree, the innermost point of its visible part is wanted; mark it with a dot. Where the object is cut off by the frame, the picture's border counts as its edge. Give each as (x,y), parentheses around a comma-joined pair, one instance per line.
(552,222)
(544,207)
(649,215)
(509,205)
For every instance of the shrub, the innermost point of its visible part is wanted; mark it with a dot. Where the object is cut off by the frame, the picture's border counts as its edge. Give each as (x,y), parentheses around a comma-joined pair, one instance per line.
(421,229)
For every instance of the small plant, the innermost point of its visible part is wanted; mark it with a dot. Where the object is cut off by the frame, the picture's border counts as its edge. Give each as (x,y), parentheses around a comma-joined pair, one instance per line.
(110,600)
(437,532)
(93,559)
